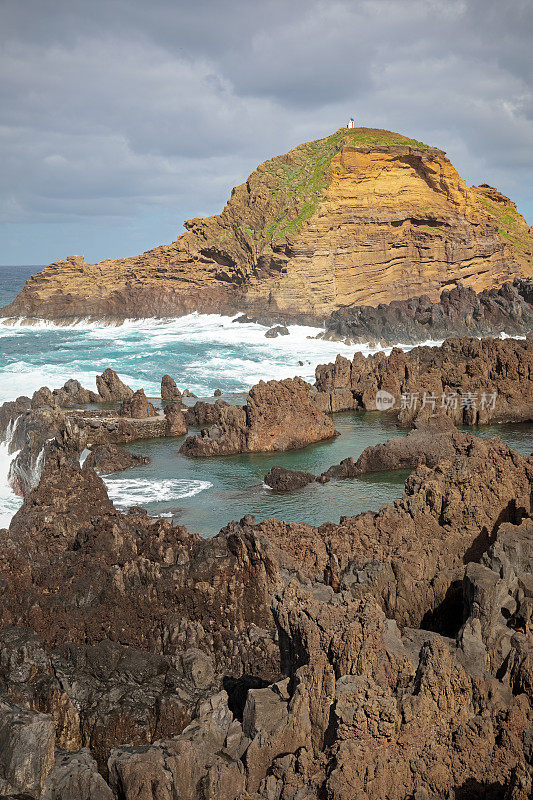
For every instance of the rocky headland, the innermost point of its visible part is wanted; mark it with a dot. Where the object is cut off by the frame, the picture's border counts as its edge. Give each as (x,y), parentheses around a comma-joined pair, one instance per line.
(361,217)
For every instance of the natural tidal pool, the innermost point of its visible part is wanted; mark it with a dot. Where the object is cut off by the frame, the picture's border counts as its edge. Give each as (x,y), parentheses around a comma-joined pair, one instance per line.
(206,494)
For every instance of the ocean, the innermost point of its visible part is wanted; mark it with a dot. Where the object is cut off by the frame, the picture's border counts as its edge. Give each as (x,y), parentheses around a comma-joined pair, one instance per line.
(202,353)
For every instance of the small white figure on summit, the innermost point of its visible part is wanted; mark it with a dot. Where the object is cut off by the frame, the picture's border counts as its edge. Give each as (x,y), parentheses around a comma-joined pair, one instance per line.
(351,123)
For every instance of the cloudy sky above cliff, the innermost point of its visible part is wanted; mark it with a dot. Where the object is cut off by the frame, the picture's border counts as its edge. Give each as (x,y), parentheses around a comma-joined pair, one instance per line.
(122,118)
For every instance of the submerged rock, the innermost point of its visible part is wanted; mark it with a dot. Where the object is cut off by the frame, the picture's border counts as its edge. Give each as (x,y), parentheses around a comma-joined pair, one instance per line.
(286,480)
(277,330)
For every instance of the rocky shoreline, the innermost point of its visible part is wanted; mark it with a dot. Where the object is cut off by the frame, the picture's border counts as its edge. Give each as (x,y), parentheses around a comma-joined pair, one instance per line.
(387,655)
(458,312)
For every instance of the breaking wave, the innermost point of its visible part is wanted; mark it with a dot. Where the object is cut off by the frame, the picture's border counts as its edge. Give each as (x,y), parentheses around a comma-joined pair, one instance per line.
(126,492)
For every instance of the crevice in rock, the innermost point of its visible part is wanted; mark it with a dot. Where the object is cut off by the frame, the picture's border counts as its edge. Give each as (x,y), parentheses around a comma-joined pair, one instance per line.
(479,790)
(449,616)
(237,691)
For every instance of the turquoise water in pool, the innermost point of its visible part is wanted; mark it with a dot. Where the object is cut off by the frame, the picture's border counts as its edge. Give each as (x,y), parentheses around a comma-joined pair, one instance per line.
(228,487)
(215,491)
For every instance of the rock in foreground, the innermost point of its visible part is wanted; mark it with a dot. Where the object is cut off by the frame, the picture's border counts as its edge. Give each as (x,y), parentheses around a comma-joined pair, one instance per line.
(388,655)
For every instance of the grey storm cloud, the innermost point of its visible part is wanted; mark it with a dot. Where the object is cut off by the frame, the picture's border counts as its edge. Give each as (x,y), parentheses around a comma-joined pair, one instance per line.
(133,113)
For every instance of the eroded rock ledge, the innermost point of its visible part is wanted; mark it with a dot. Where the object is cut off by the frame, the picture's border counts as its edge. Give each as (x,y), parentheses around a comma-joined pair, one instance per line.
(481,381)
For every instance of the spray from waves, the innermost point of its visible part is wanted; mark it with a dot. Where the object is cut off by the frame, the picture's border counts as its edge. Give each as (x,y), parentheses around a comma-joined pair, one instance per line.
(23,378)
(9,501)
(203,351)
(126,492)
(37,468)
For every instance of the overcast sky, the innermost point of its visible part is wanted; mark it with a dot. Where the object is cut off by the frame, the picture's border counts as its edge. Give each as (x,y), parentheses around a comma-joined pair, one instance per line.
(122,118)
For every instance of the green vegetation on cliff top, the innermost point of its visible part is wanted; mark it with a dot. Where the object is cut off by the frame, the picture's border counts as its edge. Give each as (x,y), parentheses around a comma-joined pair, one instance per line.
(297,180)
(511,224)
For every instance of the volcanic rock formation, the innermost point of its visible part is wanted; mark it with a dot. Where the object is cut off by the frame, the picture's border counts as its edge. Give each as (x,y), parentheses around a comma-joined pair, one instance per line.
(388,655)
(459,312)
(363,216)
(278,415)
(473,381)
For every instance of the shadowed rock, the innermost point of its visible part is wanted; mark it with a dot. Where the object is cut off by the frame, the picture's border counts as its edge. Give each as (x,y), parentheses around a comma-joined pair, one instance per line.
(459,312)
(110,458)
(287,480)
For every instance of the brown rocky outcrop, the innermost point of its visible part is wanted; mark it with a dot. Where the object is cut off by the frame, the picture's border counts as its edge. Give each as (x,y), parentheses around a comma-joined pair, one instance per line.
(74,394)
(473,381)
(134,626)
(278,415)
(111,388)
(287,480)
(108,458)
(169,390)
(361,216)
(458,312)
(176,423)
(435,439)
(203,414)
(137,406)
(410,554)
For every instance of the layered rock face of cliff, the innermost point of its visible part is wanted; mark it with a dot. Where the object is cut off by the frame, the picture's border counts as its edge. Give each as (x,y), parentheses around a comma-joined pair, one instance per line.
(363,216)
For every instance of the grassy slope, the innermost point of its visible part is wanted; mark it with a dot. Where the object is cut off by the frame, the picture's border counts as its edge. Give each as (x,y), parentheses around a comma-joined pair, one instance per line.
(296,181)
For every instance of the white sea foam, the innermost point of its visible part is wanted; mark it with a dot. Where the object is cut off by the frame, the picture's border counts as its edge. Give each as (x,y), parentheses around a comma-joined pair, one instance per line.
(203,351)
(9,501)
(252,356)
(22,378)
(83,456)
(126,492)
